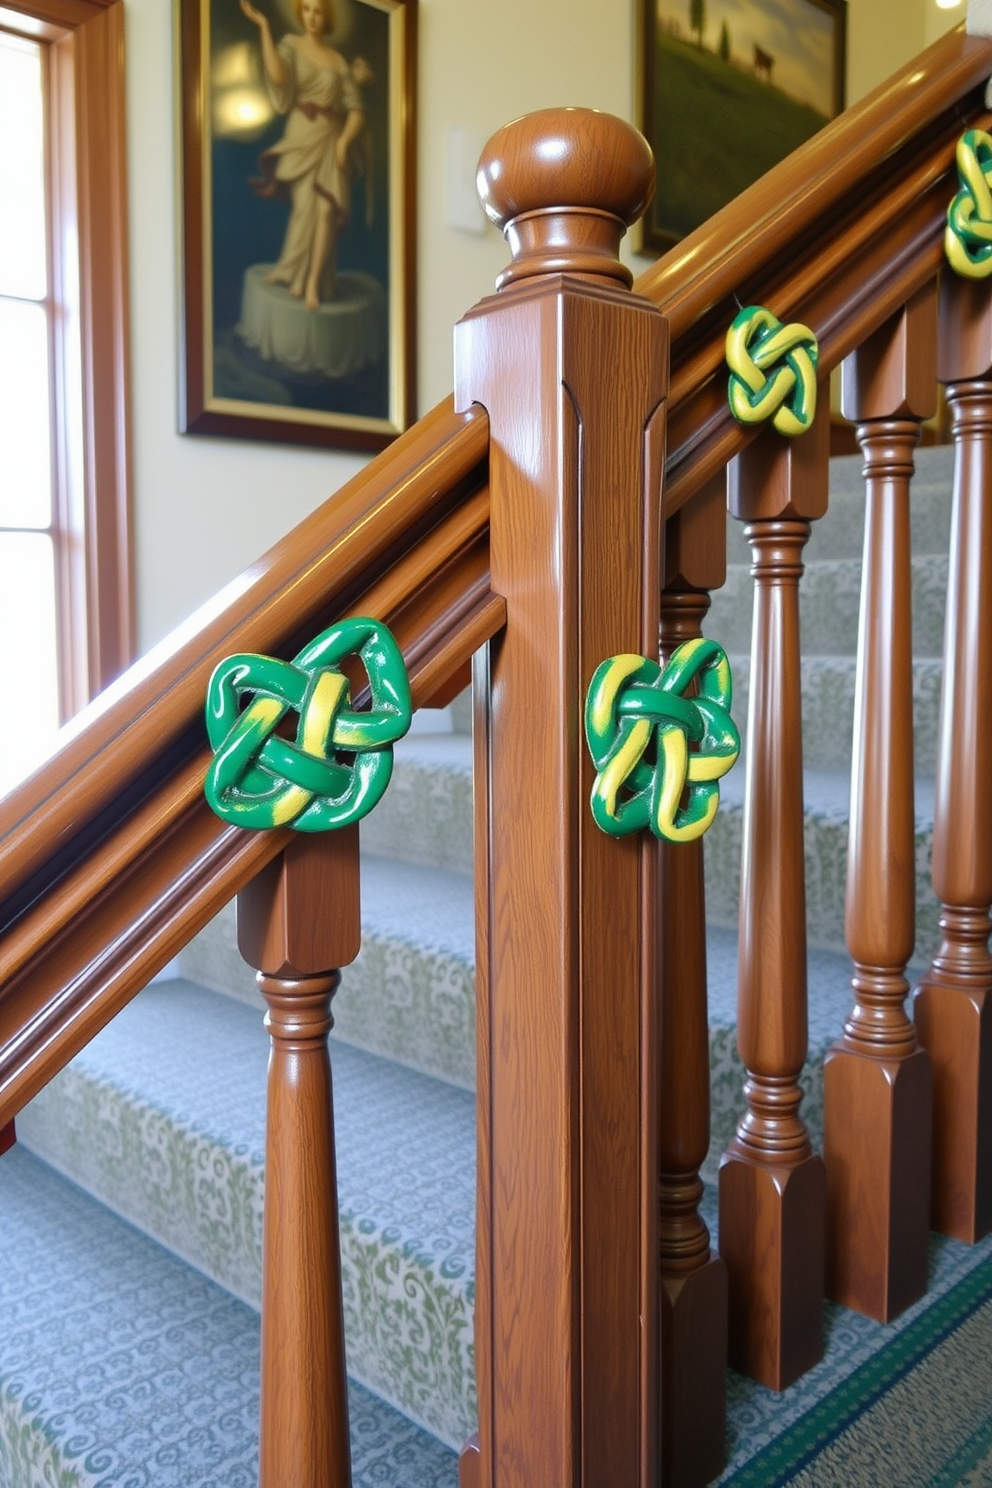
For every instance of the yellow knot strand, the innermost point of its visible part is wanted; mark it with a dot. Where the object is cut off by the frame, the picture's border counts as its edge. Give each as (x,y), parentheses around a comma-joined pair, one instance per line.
(772,371)
(968,235)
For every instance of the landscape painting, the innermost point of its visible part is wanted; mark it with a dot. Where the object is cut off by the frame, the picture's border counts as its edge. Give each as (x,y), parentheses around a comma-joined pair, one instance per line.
(728,88)
(298,193)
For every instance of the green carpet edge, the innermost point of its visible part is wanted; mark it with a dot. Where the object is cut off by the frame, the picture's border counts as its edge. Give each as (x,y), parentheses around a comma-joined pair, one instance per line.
(776,1463)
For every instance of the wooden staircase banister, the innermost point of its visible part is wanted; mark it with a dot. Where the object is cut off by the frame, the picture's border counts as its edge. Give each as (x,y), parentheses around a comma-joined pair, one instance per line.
(148,868)
(840,237)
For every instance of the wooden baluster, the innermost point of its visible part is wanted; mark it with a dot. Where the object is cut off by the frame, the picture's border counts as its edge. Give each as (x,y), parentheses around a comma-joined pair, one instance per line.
(298,922)
(771,1181)
(568,1194)
(953,1004)
(877,1084)
(7,1137)
(693,1293)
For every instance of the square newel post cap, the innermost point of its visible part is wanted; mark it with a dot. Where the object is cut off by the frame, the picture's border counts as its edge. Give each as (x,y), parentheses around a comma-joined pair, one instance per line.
(563,185)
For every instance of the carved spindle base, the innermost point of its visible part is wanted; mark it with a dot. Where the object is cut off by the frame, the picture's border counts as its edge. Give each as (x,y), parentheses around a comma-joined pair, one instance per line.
(7,1137)
(772,1242)
(469,1463)
(693,1375)
(877,1120)
(954,1024)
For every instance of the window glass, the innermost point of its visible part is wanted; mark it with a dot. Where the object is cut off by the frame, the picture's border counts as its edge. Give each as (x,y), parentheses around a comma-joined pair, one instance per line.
(25,416)
(28,658)
(23,269)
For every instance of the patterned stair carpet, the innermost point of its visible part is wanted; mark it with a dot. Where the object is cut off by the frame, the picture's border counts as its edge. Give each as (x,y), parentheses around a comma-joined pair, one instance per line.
(121,1367)
(904,1406)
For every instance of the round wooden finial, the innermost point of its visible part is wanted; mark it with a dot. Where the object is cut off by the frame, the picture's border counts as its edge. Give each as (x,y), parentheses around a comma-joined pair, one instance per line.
(564,184)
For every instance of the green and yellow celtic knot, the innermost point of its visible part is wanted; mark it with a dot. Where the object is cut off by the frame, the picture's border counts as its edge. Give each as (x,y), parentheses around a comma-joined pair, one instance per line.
(258,778)
(968,235)
(639,728)
(772,371)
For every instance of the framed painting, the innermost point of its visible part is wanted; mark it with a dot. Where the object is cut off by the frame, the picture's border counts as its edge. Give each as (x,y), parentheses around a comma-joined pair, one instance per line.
(727,88)
(298,194)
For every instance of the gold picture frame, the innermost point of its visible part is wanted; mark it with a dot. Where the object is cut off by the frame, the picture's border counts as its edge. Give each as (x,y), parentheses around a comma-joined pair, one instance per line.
(286,338)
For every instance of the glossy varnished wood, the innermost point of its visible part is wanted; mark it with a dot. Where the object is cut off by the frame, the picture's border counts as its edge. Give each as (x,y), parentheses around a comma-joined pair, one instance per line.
(877,1083)
(771,1182)
(693,1279)
(569,1216)
(953,1004)
(298,922)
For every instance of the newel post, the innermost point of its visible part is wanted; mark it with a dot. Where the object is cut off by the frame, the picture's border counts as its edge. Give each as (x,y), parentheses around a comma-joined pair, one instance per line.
(953,1004)
(572,370)
(298,922)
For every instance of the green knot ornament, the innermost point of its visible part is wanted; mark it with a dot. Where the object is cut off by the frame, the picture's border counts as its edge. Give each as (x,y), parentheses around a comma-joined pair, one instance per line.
(772,371)
(339,763)
(968,235)
(639,727)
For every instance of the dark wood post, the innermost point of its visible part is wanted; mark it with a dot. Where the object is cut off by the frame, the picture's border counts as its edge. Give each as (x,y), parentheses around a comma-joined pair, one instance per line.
(877,1084)
(298,922)
(953,1004)
(573,372)
(693,1293)
(771,1181)
(7,1137)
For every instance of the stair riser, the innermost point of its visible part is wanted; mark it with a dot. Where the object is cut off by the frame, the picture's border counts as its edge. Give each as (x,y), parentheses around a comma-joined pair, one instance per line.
(408,1298)
(829,599)
(828,710)
(826,869)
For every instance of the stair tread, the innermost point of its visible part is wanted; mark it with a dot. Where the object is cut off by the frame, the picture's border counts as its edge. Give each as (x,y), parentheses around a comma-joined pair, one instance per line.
(162,1118)
(121,1365)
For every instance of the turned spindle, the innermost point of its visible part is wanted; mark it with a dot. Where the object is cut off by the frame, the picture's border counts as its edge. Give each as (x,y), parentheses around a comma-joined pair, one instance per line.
(693,1290)
(568,1193)
(953,1004)
(877,1083)
(771,1181)
(298,923)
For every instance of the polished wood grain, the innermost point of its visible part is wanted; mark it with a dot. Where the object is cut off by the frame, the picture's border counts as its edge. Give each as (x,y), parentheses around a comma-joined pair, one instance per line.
(298,922)
(771,1182)
(877,1081)
(693,1289)
(953,1004)
(575,543)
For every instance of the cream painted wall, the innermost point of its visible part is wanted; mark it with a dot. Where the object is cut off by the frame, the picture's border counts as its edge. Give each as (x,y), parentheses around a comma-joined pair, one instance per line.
(205,508)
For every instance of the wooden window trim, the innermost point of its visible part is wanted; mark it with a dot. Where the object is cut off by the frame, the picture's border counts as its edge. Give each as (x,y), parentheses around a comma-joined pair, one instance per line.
(88,169)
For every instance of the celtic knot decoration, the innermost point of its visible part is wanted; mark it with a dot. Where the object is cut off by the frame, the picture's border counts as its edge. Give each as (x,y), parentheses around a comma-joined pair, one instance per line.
(772,371)
(968,235)
(339,764)
(639,728)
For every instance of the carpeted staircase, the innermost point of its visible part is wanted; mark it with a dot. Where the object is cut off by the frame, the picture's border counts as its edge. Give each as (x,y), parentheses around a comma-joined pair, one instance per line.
(128,1295)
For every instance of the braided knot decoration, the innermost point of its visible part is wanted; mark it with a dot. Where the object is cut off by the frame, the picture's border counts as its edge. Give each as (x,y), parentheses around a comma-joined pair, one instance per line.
(632,703)
(259,779)
(968,235)
(772,371)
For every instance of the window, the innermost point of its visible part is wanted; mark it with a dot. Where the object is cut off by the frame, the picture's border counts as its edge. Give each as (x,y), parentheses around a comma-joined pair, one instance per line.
(65,601)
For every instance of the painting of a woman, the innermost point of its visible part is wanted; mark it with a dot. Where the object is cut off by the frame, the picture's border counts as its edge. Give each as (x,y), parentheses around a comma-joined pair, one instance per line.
(320,94)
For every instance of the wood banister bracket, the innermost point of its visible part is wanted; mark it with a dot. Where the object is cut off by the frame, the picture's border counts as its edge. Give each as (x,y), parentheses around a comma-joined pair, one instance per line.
(877,1079)
(298,923)
(953,1003)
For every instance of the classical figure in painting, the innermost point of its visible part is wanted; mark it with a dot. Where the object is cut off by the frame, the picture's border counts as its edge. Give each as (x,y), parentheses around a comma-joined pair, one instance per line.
(321,147)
